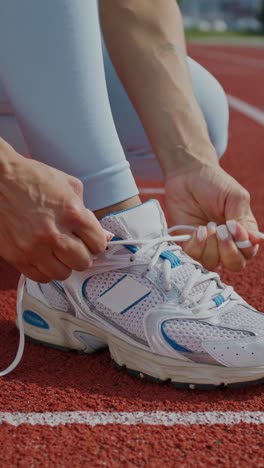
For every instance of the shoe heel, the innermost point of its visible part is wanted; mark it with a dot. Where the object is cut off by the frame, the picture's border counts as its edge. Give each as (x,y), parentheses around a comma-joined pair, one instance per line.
(57,329)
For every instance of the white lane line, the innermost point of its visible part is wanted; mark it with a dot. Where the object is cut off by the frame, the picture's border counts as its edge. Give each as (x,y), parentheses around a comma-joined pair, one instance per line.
(248,110)
(149,190)
(154,418)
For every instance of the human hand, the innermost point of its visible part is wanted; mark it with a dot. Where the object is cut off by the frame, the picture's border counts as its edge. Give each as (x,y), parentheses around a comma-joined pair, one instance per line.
(46,231)
(205,194)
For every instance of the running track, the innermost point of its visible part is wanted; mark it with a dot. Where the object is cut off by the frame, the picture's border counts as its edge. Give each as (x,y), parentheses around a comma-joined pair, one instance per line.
(63,410)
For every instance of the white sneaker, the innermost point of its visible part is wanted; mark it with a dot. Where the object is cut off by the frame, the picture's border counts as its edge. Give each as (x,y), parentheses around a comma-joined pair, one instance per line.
(160,313)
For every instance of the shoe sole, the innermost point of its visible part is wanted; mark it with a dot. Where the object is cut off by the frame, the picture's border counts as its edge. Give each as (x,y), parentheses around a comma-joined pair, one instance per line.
(65,332)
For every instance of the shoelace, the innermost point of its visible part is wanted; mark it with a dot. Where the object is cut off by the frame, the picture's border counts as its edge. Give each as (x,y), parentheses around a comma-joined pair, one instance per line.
(160,245)
(154,248)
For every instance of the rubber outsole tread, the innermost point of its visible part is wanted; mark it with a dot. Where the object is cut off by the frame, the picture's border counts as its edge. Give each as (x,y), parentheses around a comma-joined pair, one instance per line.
(189,386)
(150,378)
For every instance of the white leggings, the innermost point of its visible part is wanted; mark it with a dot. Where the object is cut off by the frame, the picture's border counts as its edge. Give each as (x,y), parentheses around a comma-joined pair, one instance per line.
(73,111)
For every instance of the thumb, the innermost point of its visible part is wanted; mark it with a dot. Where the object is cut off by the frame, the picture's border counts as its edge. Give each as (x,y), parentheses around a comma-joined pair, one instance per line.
(237,207)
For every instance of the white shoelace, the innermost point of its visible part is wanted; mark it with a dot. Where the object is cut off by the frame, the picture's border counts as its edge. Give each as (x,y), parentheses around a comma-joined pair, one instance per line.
(20,351)
(159,245)
(154,248)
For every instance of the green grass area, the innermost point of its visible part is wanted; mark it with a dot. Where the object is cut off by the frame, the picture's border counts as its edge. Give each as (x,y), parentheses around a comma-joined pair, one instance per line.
(196,34)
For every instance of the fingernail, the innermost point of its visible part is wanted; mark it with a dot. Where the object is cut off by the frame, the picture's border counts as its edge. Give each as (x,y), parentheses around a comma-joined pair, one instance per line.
(109,235)
(260,235)
(232,226)
(222,232)
(212,227)
(201,233)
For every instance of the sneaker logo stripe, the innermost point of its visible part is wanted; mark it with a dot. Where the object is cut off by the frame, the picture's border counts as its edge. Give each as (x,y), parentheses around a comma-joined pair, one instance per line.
(123,295)
(113,285)
(135,303)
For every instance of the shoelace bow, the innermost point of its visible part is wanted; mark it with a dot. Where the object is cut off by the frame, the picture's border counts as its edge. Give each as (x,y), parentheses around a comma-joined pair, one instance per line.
(160,245)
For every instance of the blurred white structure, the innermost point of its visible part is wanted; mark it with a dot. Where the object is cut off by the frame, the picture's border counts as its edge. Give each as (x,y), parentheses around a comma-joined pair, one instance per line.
(221,15)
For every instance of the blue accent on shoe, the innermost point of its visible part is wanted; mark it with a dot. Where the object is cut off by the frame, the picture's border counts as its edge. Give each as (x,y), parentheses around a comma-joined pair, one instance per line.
(113,285)
(131,248)
(167,255)
(84,287)
(173,259)
(173,343)
(34,319)
(219,300)
(135,303)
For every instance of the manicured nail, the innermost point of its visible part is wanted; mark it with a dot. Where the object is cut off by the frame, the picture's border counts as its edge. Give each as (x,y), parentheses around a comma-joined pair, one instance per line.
(201,233)
(212,227)
(232,226)
(109,235)
(222,232)
(260,235)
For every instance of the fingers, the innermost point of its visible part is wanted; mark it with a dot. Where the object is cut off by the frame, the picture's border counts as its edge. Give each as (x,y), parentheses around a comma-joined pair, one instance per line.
(256,237)
(211,259)
(211,245)
(90,231)
(72,252)
(240,234)
(34,274)
(230,255)
(30,271)
(48,264)
(195,247)
(203,246)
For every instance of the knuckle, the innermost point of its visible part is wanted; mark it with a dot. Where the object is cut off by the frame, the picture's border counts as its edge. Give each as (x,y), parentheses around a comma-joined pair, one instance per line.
(244,196)
(83,264)
(46,235)
(74,212)
(76,184)
(99,247)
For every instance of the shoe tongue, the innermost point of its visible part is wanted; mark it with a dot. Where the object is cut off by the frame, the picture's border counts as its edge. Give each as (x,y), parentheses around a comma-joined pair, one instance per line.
(145,221)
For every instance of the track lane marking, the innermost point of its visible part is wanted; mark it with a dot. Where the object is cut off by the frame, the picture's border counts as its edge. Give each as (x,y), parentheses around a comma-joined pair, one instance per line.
(246,109)
(149,191)
(155,418)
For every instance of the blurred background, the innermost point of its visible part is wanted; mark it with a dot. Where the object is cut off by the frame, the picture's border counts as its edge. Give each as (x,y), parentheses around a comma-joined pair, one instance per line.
(233,17)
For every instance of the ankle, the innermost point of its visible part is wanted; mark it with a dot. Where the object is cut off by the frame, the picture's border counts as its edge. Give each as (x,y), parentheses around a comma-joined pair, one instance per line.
(124,205)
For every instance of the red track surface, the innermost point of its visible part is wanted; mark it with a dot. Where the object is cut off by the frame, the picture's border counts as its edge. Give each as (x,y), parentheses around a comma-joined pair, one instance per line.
(242,78)
(49,380)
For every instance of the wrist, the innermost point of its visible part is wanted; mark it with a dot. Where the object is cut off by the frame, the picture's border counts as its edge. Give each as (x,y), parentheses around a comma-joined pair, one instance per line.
(185,159)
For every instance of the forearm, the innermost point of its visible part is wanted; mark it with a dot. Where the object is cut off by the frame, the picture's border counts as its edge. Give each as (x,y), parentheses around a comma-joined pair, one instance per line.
(147,46)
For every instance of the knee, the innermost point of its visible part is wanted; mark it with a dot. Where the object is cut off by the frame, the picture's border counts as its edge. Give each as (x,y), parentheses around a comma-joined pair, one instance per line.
(218,120)
(213,103)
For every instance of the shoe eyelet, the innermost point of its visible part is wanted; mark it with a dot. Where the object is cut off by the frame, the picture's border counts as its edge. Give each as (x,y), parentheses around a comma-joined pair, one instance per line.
(131,259)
